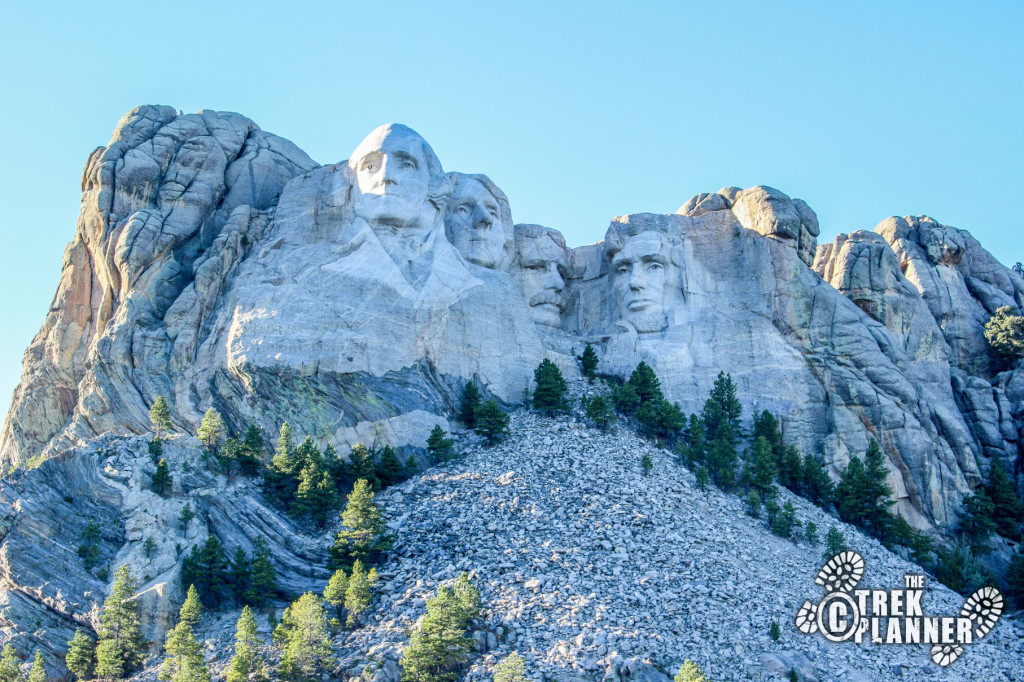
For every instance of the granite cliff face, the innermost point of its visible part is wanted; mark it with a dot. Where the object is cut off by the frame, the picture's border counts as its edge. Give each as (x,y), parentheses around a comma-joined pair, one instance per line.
(217,265)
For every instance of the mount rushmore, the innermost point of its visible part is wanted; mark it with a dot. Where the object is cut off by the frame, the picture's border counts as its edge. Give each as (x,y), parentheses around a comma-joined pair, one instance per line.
(219,266)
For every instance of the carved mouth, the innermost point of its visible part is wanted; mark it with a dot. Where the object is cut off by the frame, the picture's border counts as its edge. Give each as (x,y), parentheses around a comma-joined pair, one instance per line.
(639,304)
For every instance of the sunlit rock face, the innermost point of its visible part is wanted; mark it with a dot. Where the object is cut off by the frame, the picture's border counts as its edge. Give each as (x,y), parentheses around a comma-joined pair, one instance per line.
(218,266)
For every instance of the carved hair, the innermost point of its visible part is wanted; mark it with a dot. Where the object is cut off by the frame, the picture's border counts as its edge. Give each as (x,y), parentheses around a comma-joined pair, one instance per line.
(531,232)
(438,191)
(619,233)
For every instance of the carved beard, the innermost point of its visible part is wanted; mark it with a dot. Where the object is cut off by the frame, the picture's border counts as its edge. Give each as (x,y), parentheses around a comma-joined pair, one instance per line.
(649,323)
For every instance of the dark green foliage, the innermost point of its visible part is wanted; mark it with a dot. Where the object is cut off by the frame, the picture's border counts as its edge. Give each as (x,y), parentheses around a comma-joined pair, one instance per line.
(207,569)
(246,661)
(646,464)
(785,524)
(361,465)
(439,446)
(703,477)
(364,534)
(760,471)
(549,394)
(791,469)
(775,631)
(156,450)
(835,543)
(262,576)
(793,676)
(960,570)
(316,497)
(120,647)
(10,665)
(921,546)
(599,411)
(441,645)
(1008,510)
(589,362)
(491,422)
(81,655)
(411,468)
(211,430)
(38,671)
(186,516)
(723,395)
(306,647)
(625,399)
(721,461)
(160,416)
(279,479)
(661,418)
(863,496)
(512,668)
(89,550)
(811,532)
(690,672)
(359,591)
(162,483)
(1005,334)
(469,405)
(389,469)
(250,454)
(1015,580)
(149,547)
(645,383)
(977,523)
(694,448)
(239,575)
(817,486)
(1018,269)
(753,504)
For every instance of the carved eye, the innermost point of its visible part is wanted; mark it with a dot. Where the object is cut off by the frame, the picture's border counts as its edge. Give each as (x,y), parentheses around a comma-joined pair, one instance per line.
(368,167)
(655,266)
(623,269)
(463,209)
(408,164)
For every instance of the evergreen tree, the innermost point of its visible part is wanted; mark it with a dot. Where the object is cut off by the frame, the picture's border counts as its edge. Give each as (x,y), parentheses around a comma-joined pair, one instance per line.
(247,661)
(469,405)
(162,483)
(250,455)
(38,671)
(156,449)
(364,532)
(670,420)
(89,550)
(599,411)
(760,469)
(211,430)
(184,660)
(307,648)
(723,394)
(785,524)
(81,655)
(10,665)
(491,422)
(690,672)
(207,569)
(721,460)
(625,399)
(334,593)
(774,631)
(160,416)
(816,486)
(441,644)
(411,468)
(646,464)
(316,496)
(977,523)
(1005,334)
(811,532)
(192,609)
(703,478)
(389,469)
(280,477)
(1015,579)
(961,571)
(753,504)
(361,465)
(239,575)
(359,591)
(186,516)
(438,447)
(549,395)
(589,362)
(694,449)
(120,647)
(468,597)
(1008,510)
(791,469)
(863,495)
(262,576)
(1018,269)
(512,668)
(835,543)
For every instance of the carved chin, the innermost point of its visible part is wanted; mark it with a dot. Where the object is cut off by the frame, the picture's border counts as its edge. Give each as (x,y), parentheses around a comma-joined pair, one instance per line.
(648,323)
(390,209)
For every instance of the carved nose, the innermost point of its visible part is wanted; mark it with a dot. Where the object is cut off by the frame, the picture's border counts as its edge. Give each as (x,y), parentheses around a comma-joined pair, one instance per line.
(554,280)
(482,220)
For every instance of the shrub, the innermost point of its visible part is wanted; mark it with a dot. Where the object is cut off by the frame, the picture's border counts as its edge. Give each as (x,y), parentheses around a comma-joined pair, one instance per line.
(1005,334)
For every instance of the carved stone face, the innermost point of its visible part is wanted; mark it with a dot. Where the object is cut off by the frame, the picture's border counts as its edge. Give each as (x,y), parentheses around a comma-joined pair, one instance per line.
(474,223)
(639,276)
(542,271)
(391,177)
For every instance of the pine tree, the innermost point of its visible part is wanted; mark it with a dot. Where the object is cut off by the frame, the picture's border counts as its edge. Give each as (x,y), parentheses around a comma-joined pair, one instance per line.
(589,362)
(817,486)
(361,465)
(760,472)
(156,449)
(1008,510)
(247,660)
(316,496)
(1005,334)
(1015,579)
(645,383)
(977,523)
(599,411)
(307,647)
(192,608)
(811,532)
(625,399)
(211,430)
(646,464)
(334,593)
(184,660)
(162,483)
(469,405)
(207,569)
(262,576)
(280,477)
(186,516)
(468,597)
(549,395)
(81,655)
(694,445)
(120,647)
(785,524)
(389,469)
(753,504)
(239,575)
(703,478)
(250,455)
(791,469)
(774,631)
(10,665)
(160,416)
(438,447)
(364,532)
(724,395)
(411,467)
(89,550)
(690,672)
(38,671)
(513,667)
(721,460)
(835,543)
(491,422)
(441,643)
(359,591)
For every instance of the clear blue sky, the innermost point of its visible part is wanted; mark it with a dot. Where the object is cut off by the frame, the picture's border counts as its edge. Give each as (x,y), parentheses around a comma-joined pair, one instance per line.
(579,111)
